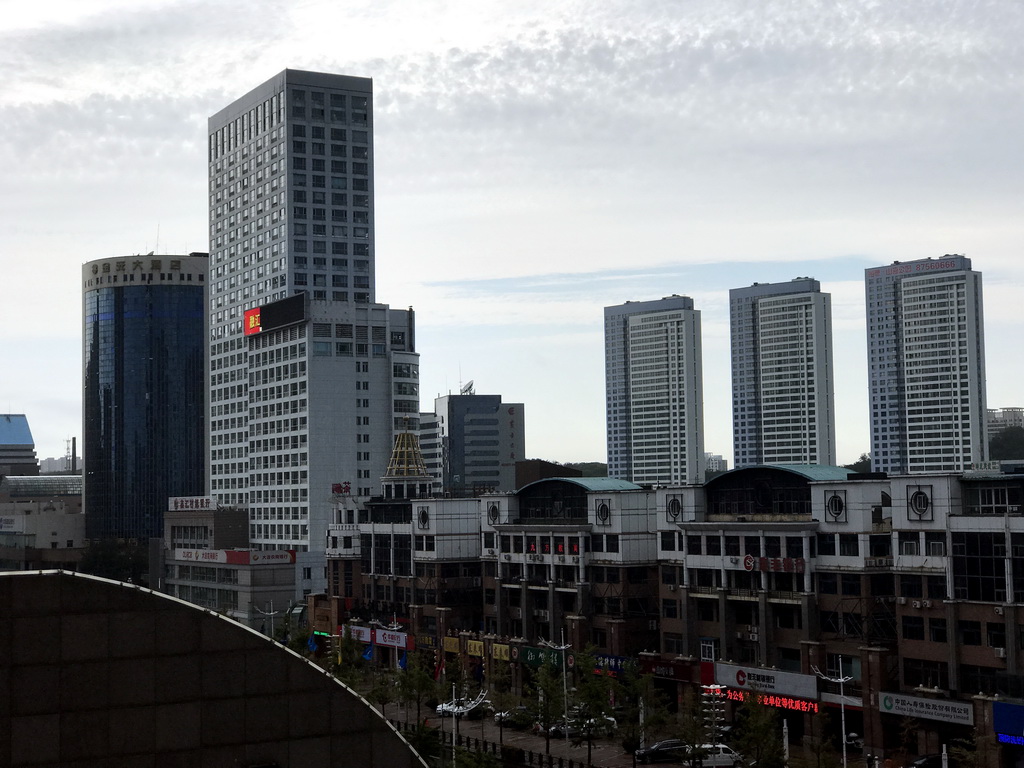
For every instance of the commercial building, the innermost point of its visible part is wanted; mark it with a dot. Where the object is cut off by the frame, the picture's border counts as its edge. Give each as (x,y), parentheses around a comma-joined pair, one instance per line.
(471,443)
(654,392)
(17,448)
(144,389)
(1001,418)
(926,366)
(310,378)
(783,406)
(41,522)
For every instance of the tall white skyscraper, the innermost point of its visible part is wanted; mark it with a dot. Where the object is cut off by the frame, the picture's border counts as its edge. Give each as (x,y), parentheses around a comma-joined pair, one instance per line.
(309,378)
(926,366)
(654,392)
(783,405)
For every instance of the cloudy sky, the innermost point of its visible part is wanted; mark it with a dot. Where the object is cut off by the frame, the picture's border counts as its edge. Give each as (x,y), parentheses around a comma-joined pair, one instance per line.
(535,161)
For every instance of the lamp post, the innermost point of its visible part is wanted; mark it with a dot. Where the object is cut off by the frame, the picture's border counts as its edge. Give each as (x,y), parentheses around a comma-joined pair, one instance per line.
(842,698)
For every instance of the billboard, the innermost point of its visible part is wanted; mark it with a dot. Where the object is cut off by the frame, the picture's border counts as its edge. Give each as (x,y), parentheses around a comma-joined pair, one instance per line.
(275,315)
(947,711)
(768,681)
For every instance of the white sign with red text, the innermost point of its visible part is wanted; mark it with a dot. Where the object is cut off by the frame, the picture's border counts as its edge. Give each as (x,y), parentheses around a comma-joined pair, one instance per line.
(766,680)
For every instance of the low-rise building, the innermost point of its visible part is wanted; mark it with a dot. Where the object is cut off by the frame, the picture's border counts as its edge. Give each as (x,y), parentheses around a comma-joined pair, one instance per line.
(41,522)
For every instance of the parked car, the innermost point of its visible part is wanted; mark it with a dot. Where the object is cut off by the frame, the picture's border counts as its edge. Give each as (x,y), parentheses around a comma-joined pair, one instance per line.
(518,718)
(674,750)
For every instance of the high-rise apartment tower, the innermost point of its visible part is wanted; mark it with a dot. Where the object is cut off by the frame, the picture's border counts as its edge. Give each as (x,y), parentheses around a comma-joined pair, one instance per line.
(310,379)
(926,366)
(783,408)
(654,392)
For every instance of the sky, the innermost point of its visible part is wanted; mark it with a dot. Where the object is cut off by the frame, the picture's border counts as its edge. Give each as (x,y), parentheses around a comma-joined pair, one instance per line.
(535,162)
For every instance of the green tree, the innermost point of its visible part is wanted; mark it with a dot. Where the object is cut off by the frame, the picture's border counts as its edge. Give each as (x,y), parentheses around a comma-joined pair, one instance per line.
(416,684)
(466,758)
(692,726)
(502,696)
(643,715)
(1007,443)
(591,703)
(384,689)
(822,752)
(547,700)
(975,752)
(760,733)
(863,464)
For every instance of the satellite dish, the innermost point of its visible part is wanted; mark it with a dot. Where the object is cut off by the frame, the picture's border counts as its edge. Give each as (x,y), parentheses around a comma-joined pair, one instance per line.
(467,389)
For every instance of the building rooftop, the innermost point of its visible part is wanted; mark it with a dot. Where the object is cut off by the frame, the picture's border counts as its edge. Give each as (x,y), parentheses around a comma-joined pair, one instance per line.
(813,472)
(24,487)
(593,484)
(14,430)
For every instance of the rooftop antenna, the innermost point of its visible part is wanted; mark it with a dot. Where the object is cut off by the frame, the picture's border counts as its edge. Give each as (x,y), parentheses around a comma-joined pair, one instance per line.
(157,236)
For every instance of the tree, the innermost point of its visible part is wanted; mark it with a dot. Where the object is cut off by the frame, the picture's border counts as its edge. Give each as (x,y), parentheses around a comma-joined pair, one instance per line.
(548,705)
(502,696)
(643,712)
(591,705)
(760,734)
(822,752)
(1007,443)
(863,464)
(975,752)
(416,684)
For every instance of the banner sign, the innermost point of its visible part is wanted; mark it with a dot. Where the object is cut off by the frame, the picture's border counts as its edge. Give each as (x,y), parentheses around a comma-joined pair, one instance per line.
(499,652)
(1008,722)
(671,670)
(475,647)
(426,641)
(767,681)
(362,634)
(391,639)
(235,556)
(535,657)
(451,645)
(190,502)
(957,712)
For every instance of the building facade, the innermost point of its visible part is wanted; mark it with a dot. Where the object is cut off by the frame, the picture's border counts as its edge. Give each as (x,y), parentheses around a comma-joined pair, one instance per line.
(471,444)
(926,366)
(783,401)
(654,392)
(41,522)
(17,448)
(144,389)
(310,378)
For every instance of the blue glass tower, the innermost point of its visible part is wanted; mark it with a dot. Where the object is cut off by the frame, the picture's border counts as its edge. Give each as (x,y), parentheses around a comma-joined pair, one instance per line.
(144,390)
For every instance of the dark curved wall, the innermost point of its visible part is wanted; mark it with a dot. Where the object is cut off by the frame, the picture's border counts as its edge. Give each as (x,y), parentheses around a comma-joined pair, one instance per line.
(143,405)
(98,673)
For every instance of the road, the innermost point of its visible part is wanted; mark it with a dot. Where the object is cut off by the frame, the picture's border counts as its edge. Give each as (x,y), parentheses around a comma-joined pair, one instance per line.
(607,753)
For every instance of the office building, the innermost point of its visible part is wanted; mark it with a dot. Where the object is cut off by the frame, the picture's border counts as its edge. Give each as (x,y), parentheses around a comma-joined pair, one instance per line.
(654,392)
(310,378)
(17,448)
(144,390)
(471,444)
(926,366)
(1003,418)
(783,406)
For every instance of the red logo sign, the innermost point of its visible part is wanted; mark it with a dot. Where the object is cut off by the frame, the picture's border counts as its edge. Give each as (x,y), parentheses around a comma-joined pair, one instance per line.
(251,322)
(741,677)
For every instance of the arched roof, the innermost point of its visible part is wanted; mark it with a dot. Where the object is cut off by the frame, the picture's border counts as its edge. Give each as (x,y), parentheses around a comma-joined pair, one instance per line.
(102,671)
(588,484)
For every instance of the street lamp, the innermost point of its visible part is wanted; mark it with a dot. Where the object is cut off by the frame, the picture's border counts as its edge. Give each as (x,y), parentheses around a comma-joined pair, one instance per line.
(842,699)
(565,686)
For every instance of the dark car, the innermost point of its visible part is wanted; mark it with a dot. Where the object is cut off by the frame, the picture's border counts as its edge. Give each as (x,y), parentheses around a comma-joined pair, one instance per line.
(667,751)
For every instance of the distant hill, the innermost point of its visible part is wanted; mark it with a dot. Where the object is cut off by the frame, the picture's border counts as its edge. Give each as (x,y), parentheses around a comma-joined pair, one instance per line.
(589,468)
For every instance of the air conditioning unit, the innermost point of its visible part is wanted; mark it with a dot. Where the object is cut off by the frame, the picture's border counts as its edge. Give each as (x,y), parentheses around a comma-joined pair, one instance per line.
(734,560)
(999,610)
(507,557)
(917,603)
(901,600)
(1000,653)
(561,558)
(740,635)
(753,636)
(671,587)
(926,603)
(575,558)
(490,551)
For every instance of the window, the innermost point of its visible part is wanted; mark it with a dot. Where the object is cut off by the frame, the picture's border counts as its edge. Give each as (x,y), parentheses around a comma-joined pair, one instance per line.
(670,608)
(693,545)
(913,628)
(970,632)
(668,541)
(849,546)
(937,630)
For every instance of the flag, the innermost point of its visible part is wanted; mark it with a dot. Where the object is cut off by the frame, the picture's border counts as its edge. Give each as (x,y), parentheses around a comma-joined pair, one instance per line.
(368,653)
(439,671)
(402,661)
